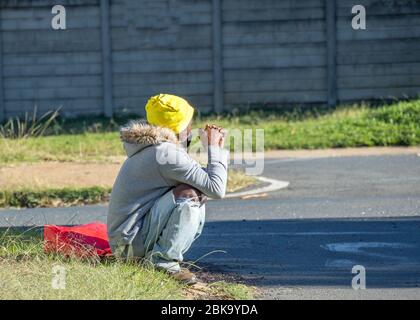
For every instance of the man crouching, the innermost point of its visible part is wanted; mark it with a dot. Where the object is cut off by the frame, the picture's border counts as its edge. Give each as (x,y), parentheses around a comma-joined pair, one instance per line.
(157,205)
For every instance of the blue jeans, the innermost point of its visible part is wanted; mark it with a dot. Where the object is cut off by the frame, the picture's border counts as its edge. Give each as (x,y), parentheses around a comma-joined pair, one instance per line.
(169,229)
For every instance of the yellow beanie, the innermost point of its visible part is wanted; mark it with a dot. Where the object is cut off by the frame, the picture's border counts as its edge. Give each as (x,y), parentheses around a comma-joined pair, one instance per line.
(169,111)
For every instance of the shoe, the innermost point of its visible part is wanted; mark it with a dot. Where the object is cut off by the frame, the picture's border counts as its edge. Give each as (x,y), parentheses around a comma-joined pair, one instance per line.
(185,276)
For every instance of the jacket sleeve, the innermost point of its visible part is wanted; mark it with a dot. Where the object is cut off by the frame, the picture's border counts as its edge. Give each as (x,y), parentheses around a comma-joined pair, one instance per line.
(180,167)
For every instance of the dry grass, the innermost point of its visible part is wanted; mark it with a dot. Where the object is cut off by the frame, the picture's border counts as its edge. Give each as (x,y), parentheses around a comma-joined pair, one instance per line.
(238,180)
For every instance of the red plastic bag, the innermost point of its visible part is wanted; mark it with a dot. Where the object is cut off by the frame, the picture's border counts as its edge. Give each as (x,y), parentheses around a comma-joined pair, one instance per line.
(83,241)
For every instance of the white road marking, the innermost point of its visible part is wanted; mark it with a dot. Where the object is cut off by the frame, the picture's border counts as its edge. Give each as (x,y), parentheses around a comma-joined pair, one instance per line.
(358,248)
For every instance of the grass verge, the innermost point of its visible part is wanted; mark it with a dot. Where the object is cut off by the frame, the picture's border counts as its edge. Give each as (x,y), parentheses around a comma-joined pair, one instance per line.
(27,198)
(72,196)
(97,139)
(27,273)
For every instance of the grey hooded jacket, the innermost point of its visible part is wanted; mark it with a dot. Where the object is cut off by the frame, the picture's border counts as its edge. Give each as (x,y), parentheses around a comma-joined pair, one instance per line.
(156,163)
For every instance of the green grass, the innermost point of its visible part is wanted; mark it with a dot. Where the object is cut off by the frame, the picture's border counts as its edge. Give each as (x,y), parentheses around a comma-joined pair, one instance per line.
(239,291)
(348,126)
(26,272)
(97,139)
(27,198)
(78,147)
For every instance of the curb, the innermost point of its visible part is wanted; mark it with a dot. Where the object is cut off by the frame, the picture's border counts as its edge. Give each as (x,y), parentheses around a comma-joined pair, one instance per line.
(274,185)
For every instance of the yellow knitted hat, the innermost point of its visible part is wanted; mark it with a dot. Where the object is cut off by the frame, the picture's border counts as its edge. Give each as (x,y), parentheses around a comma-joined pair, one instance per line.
(169,111)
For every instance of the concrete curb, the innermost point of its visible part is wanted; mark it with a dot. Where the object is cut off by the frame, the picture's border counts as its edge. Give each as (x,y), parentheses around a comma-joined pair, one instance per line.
(274,185)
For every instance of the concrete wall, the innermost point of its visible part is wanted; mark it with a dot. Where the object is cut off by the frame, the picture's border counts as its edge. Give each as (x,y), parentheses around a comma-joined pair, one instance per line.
(384,60)
(216,53)
(161,46)
(50,68)
(274,51)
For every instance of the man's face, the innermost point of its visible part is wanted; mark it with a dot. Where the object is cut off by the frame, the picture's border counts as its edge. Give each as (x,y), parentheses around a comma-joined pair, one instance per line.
(185,136)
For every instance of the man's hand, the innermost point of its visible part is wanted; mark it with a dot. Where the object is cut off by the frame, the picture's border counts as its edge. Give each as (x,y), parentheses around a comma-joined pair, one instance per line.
(212,135)
(188,192)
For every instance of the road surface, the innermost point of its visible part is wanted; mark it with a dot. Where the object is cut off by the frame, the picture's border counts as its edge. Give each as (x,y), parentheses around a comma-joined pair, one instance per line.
(302,242)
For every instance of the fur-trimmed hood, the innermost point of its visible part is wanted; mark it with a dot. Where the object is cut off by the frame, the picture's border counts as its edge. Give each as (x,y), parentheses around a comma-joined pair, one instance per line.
(137,135)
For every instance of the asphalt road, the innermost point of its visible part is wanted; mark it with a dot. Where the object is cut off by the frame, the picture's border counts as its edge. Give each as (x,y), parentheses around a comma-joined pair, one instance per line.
(302,242)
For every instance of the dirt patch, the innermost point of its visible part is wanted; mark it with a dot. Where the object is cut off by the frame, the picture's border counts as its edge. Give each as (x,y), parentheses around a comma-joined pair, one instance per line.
(58,175)
(50,175)
(210,286)
(203,291)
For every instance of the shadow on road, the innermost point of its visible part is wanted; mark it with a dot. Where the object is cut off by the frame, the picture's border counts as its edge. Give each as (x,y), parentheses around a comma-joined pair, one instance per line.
(314,252)
(311,252)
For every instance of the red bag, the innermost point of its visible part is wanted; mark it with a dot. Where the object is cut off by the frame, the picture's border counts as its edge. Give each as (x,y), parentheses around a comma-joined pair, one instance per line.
(83,241)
